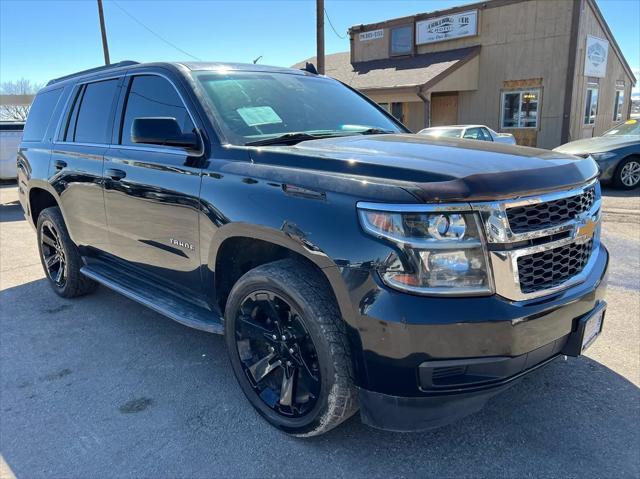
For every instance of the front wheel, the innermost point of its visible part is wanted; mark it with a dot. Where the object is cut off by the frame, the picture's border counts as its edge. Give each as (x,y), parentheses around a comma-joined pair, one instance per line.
(627,175)
(288,348)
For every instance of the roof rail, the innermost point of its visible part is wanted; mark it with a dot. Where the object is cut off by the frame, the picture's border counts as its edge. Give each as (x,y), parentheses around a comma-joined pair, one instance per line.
(123,63)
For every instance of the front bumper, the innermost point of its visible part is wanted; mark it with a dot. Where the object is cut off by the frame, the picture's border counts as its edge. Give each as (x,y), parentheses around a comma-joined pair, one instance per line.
(426,362)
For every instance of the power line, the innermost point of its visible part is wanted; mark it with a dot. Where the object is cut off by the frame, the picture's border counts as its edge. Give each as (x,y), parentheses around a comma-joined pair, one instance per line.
(157,35)
(331,25)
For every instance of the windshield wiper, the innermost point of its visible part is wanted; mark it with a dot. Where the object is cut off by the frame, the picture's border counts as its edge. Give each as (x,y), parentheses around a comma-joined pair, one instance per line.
(288,139)
(375,131)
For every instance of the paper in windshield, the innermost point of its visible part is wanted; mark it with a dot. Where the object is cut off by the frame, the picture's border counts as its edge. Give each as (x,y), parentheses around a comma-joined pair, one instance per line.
(259,115)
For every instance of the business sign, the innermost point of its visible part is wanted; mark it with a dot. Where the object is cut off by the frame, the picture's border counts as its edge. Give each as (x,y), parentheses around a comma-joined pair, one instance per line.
(372,35)
(595,57)
(437,29)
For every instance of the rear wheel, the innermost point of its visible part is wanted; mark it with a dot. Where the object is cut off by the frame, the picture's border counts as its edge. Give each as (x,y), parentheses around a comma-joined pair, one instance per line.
(288,348)
(627,175)
(60,256)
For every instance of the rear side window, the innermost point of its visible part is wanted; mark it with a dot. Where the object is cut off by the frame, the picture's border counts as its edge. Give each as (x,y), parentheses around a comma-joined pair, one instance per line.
(152,96)
(40,115)
(90,118)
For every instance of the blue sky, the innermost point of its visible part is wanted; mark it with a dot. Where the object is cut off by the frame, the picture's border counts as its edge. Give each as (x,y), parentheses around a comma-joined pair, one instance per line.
(40,40)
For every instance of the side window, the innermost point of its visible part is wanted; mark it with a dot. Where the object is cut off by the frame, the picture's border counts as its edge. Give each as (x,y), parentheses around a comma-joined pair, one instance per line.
(487,134)
(89,120)
(151,96)
(40,115)
(92,123)
(473,134)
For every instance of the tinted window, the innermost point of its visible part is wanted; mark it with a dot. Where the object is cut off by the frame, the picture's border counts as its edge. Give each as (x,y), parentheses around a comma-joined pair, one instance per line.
(152,97)
(93,123)
(40,114)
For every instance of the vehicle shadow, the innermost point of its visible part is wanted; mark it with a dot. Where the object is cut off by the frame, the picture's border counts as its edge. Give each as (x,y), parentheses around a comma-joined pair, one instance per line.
(616,193)
(100,386)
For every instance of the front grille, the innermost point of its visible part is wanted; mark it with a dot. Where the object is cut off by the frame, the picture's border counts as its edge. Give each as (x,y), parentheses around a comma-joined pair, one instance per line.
(523,219)
(551,268)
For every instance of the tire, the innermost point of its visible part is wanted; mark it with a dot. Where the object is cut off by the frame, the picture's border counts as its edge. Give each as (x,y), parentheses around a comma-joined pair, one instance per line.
(627,175)
(294,284)
(55,246)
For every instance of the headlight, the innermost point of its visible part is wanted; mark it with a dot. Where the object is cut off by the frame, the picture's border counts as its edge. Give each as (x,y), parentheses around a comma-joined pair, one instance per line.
(436,252)
(602,156)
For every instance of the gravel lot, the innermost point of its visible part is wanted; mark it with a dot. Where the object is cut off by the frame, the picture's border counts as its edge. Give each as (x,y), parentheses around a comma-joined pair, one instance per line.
(102,387)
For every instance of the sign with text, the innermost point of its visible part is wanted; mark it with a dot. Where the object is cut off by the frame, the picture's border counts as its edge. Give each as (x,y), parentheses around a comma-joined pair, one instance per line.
(448,27)
(595,60)
(372,35)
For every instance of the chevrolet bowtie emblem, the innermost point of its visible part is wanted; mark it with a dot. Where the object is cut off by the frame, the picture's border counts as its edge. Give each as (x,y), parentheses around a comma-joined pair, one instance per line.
(585,230)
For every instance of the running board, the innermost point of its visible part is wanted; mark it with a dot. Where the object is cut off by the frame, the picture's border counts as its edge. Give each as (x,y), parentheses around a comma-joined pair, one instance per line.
(162,302)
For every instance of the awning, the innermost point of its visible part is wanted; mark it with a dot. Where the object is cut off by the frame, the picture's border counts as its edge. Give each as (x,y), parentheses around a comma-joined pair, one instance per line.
(420,71)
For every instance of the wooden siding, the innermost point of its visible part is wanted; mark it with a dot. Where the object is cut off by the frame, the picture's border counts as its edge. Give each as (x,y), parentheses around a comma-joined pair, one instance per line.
(616,73)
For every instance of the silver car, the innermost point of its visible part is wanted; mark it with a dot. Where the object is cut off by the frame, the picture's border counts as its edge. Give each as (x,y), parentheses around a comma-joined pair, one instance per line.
(469,132)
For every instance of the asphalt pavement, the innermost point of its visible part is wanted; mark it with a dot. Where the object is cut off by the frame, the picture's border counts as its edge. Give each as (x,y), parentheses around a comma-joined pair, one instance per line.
(103,387)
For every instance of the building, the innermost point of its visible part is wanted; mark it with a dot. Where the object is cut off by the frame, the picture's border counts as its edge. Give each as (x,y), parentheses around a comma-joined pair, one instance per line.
(548,71)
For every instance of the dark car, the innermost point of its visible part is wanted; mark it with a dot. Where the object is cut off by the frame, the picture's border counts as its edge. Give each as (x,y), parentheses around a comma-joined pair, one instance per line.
(349,264)
(617,153)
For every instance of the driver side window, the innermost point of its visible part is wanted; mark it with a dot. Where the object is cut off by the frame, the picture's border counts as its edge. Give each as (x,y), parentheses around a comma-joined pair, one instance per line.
(152,96)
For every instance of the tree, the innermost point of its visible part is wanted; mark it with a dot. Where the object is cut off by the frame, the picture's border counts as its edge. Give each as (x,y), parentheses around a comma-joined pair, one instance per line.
(19,87)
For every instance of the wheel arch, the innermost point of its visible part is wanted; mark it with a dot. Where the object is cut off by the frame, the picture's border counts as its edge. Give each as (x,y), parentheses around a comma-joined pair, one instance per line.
(39,198)
(237,248)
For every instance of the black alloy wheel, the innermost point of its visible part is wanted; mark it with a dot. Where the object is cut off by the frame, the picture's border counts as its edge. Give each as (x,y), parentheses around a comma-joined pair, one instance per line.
(288,347)
(60,257)
(53,254)
(277,354)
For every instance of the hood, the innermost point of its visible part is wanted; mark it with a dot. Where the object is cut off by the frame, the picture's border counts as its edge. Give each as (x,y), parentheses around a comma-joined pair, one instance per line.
(437,169)
(598,144)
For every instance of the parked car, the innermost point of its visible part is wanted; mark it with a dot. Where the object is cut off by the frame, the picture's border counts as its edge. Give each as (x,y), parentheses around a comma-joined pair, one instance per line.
(348,263)
(10,136)
(617,153)
(469,132)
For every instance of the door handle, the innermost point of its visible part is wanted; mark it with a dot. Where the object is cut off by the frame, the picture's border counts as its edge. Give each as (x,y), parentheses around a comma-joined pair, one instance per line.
(59,164)
(115,174)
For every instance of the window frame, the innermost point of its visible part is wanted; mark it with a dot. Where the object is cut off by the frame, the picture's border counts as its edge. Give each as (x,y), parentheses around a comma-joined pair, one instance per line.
(617,106)
(412,41)
(520,92)
(591,86)
(118,127)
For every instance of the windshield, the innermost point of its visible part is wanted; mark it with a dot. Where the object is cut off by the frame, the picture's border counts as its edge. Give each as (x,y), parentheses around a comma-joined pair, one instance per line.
(254,106)
(444,132)
(629,127)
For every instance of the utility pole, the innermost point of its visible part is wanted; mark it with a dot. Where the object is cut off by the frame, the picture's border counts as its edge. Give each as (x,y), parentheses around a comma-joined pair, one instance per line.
(103,30)
(320,36)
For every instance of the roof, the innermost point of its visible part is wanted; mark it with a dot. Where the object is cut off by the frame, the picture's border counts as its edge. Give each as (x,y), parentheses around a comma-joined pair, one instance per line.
(193,66)
(393,72)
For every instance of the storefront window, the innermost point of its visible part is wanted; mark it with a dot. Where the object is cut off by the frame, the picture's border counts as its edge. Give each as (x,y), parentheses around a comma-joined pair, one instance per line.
(402,40)
(520,109)
(384,106)
(396,111)
(591,104)
(618,106)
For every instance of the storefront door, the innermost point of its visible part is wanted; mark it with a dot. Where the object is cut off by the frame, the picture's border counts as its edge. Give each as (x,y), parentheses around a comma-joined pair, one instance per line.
(444,109)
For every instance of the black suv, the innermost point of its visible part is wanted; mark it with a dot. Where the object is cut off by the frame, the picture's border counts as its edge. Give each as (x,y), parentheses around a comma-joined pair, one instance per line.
(348,263)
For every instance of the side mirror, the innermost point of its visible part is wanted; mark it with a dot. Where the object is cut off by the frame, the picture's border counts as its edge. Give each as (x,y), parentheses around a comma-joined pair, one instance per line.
(162,131)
